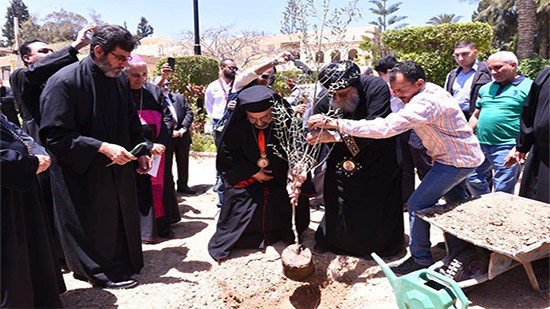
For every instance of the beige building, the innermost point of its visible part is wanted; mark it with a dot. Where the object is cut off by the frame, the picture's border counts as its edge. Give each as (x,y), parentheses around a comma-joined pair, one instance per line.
(8,64)
(332,47)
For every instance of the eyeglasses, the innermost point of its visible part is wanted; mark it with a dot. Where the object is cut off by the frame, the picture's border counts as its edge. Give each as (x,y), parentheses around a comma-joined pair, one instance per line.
(45,50)
(267,76)
(121,58)
(234,69)
(166,85)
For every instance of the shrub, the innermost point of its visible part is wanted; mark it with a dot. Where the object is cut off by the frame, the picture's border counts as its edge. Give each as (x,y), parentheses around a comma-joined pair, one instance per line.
(532,66)
(198,70)
(296,76)
(203,142)
(432,46)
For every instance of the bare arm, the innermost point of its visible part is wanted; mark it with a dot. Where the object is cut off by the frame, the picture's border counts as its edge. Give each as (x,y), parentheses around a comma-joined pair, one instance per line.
(474,119)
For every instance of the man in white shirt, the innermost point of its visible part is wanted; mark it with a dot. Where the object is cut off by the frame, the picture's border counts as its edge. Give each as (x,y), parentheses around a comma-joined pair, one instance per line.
(217,92)
(215,101)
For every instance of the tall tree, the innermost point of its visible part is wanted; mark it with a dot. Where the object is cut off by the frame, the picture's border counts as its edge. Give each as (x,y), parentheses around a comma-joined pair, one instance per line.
(502,16)
(95,17)
(383,11)
(223,42)
(143,29)
(16,9)
(543,35)
(527,26)
(62,26)
(444,19)
(29,29)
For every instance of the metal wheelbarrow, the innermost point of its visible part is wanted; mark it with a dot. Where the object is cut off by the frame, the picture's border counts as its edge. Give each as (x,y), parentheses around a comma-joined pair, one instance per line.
(484,260)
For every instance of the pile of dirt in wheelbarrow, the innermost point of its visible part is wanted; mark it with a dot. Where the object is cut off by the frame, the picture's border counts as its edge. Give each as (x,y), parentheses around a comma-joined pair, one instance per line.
(507,222)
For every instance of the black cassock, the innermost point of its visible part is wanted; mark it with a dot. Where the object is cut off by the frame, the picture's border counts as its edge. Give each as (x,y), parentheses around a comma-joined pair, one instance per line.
(363,209)
(256,214)
(534,137)
(95,206)
(29,274)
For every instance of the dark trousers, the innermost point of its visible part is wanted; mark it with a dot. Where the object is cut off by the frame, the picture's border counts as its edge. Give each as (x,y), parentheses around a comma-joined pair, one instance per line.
(181,147)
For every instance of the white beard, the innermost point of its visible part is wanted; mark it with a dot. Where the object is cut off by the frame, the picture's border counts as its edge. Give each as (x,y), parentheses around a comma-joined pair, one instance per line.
(346,106)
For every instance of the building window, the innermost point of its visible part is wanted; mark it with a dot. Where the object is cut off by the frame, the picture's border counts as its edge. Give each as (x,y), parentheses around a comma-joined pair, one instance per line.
(335,56)
(352,54)
(320,57)
(6,73)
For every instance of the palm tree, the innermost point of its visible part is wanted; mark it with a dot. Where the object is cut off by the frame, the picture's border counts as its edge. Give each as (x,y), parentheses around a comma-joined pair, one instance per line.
(502,16)
(384,20)
(444,19)
(527,26)
(543,16)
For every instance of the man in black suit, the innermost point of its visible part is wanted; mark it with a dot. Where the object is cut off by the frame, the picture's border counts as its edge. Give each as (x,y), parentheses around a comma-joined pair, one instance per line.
(181,138)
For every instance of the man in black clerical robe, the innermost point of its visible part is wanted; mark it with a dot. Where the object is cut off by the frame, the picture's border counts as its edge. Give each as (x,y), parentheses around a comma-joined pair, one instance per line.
(41,62)
(534,138)
(256,210)
(88,121)
(363,206)
(29,276)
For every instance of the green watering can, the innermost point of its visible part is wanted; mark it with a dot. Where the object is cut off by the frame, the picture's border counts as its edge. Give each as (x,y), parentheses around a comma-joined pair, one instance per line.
(424,289)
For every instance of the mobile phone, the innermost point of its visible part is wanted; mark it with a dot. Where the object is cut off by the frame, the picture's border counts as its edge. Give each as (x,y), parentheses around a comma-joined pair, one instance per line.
(172,63)
(90,34)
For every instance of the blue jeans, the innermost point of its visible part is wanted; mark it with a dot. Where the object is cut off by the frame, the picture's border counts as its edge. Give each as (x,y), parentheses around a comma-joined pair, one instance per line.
(441,180)
(504,178)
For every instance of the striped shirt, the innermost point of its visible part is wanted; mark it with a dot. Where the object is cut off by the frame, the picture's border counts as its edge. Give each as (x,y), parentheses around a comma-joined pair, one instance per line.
(437,119)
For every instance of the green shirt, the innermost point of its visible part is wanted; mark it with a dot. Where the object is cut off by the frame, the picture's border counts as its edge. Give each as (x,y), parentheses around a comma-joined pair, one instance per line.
(501,107)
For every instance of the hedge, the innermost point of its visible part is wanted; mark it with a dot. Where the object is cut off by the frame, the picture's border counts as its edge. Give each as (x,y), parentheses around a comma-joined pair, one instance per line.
(198,70)
(433,46)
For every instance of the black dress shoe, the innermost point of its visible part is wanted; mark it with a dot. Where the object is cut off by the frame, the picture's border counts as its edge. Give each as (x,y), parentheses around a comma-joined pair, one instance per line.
(407,267)
(126,284)
(187,190)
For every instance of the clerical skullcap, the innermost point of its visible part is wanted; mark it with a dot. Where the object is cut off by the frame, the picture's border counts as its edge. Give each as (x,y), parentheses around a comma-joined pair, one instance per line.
(257,98)
(339,75)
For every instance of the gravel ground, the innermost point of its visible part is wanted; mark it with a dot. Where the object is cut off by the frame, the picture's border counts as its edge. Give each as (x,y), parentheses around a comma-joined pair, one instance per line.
(179,273)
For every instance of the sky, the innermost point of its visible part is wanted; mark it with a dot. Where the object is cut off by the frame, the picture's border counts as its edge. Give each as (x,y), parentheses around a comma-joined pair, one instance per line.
(171,18)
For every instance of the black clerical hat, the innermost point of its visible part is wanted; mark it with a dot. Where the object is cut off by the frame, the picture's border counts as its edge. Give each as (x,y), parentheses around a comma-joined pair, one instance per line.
(339,75)
(258,98)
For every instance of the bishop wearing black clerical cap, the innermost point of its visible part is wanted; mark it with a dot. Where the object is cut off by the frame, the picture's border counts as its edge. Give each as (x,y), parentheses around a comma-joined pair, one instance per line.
(256,210)
(362,184)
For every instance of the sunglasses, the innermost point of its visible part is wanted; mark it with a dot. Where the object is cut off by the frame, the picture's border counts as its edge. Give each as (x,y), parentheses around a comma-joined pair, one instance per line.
(234,69)
(166,85)
(267,76)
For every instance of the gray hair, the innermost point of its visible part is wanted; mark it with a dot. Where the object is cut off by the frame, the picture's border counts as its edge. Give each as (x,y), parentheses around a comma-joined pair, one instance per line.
(506,56)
